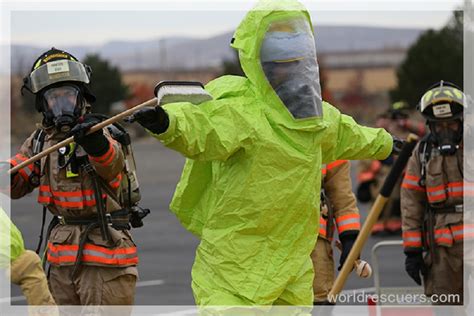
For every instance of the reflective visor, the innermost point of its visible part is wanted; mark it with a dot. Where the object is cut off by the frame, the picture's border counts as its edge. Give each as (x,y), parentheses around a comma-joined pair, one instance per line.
(288,58)
(57,71)
(287,41)
(61,100)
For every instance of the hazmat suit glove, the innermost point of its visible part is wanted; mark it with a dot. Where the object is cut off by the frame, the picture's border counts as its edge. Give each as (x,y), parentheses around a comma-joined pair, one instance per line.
(155,119)
(347,239)
(95,144)
(397,145)
(414,265)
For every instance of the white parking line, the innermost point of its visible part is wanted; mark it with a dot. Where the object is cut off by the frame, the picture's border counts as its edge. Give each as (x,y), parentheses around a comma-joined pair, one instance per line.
(12,299)
(360,290)
(150,283)
(183,312)
(139,284)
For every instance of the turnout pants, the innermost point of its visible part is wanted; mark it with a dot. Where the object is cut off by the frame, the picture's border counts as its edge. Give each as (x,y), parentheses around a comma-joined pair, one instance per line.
(323,265)
(93,285)
(444,277)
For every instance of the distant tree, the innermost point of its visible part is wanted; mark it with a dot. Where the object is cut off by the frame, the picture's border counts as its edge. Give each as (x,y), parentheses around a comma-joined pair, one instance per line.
(106,83)
(232,67)
(435,56)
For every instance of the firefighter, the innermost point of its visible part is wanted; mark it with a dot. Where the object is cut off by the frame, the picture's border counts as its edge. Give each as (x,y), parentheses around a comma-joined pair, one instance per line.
(372,173)
(338,212)
(432,196)
(89,248)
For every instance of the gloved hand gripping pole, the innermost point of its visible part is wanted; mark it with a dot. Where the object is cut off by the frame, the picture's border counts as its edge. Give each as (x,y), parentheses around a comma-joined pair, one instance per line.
(165,91)
(374,213)
(93,129)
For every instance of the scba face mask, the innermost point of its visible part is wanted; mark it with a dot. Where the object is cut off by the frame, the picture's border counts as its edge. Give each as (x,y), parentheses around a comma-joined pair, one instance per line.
(63,106)
(288,57)
(447,136)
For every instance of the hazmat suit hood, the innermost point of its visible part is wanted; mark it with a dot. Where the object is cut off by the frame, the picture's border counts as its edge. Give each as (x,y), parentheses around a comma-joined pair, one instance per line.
(277,53)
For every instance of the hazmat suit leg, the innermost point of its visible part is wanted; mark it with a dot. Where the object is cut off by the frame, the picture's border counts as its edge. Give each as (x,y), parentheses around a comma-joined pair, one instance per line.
(300,291)
(323,264)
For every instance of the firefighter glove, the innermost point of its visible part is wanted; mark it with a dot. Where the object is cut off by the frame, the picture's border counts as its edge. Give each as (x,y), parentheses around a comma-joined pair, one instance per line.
(414,265)
(95,144)
(347,241)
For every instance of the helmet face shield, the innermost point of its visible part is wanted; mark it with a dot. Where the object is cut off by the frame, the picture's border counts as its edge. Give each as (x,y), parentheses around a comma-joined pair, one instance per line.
(288,58)
(58,71)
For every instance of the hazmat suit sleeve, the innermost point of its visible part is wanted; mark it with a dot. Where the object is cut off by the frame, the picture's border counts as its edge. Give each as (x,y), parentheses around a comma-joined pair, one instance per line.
(212,131)
(20,184)
(25,270)
(413,200)
(348,140)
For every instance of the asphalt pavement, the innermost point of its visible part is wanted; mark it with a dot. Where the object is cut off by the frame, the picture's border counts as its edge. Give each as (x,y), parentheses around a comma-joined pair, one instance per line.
(167,250)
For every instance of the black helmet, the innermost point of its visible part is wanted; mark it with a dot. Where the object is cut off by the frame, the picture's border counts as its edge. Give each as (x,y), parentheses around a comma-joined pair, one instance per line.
(399,110)
(54,67)
(444,101)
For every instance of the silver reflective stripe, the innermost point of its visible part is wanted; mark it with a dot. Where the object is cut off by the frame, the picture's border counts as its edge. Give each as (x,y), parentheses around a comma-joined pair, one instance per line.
(347,221)
(439,192)
(445,235)
(465,230)
(76,199)
(412,238)
(108,256)
(26,169)
(52,254)
(412,182)
(62,253)
(45,193)
(89,252)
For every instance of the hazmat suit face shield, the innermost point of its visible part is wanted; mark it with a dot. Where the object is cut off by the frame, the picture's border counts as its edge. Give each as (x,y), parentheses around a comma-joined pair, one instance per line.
(288,58)
(63,106)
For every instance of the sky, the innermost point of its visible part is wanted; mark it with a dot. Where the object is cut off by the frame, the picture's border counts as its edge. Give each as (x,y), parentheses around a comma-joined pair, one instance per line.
(99,22)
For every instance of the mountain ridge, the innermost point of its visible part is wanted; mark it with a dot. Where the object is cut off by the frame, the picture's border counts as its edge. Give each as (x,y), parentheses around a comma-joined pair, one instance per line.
(193,53)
